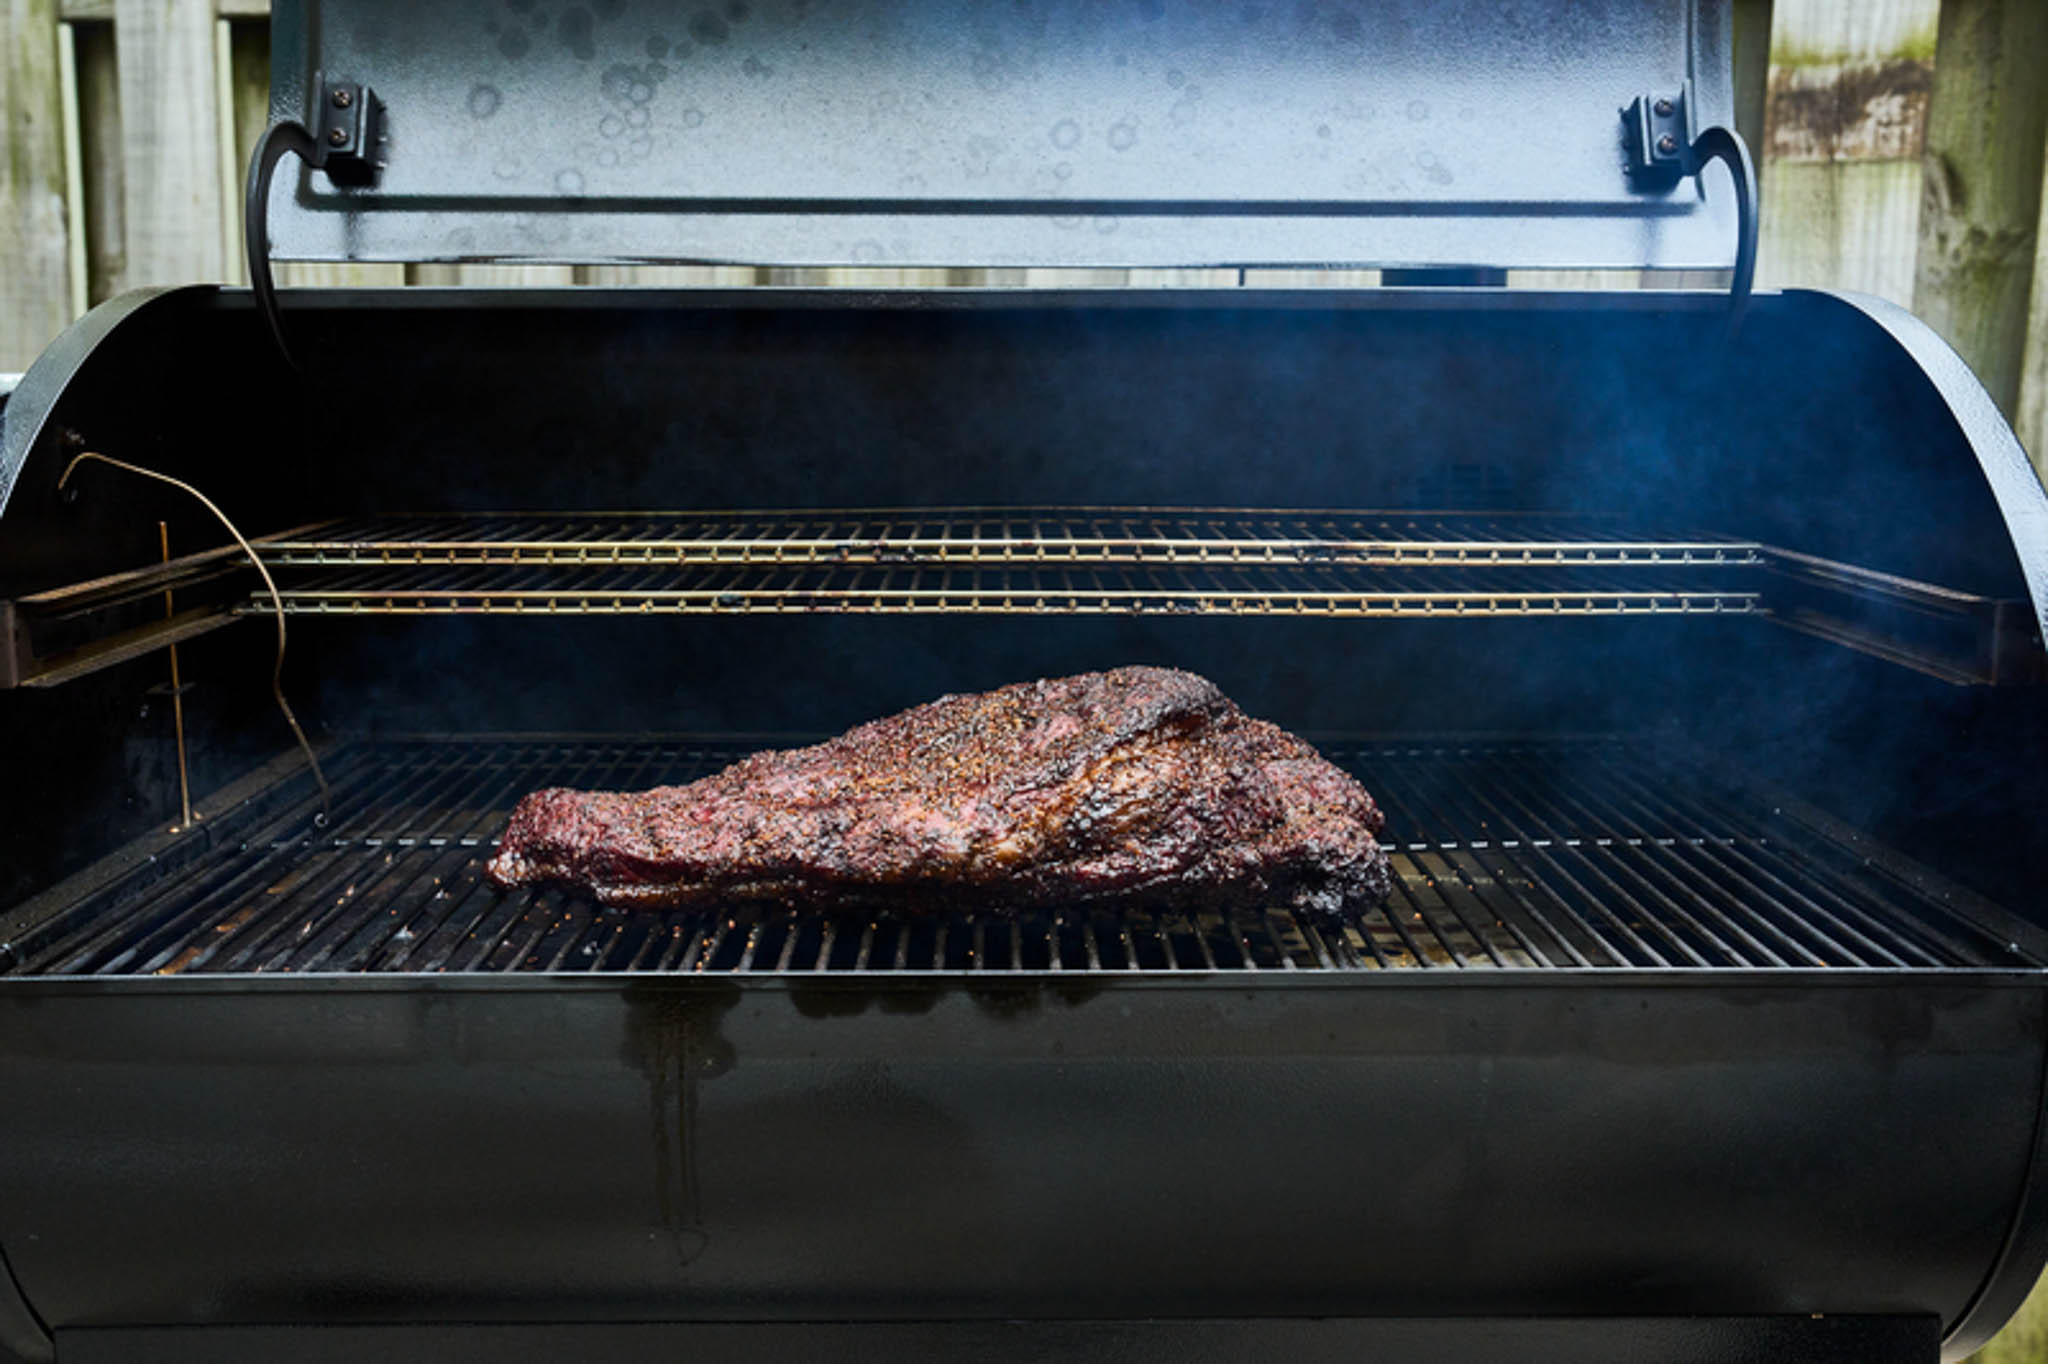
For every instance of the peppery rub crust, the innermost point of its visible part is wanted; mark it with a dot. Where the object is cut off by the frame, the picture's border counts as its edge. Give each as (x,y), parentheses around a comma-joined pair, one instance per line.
(1137,786)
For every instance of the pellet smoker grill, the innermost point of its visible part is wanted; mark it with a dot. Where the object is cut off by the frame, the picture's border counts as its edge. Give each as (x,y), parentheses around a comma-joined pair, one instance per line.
(1694,657)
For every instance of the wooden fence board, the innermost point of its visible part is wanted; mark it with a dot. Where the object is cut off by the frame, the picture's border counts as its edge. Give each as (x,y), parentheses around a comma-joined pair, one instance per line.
(170,147)
(668,276)
(74,173)
(35,278)
(1985,136)
(1844,125)
(104,210)
(2031,421)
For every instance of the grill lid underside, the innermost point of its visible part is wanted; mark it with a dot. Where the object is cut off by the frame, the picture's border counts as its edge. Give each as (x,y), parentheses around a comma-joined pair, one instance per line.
(946,132)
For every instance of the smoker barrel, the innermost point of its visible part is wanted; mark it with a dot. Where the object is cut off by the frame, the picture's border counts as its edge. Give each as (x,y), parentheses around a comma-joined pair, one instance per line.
(1711,986)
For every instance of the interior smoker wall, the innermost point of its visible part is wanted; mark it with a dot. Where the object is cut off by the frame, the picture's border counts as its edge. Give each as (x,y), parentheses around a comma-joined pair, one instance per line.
(416,404)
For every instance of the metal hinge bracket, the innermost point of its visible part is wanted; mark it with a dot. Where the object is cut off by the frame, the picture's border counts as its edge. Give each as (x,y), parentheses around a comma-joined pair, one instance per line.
(1657,138)
(350,132)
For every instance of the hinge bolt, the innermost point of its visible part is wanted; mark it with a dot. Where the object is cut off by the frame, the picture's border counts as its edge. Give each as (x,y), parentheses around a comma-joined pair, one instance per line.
(342,99)
(1663,107)
(1667,144)
(338,137)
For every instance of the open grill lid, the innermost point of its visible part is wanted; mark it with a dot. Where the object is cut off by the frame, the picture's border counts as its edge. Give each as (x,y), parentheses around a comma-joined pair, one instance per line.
(1419,133)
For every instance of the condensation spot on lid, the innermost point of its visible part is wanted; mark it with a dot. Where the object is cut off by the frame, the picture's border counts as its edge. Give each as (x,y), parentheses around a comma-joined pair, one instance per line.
(1066,134)
(576,30)
(611,125)
(484,101)
(657,47)
(569,181)
(693,118)
(1123,136)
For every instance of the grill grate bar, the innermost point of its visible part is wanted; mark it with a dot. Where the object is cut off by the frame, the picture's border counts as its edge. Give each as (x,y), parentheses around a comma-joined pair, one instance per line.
(1825,907)
(1506,856)
(1636,868)
(1543,858)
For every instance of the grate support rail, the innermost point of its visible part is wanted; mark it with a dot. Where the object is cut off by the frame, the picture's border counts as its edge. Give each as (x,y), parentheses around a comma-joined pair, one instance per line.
(1542,855)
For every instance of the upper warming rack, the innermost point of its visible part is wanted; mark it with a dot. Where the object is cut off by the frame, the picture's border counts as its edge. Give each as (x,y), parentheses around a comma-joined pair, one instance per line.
(1000,560)
(1012,560)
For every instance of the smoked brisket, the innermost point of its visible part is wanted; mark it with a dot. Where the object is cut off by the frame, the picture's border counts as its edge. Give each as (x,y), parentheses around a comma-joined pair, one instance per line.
(1135,787)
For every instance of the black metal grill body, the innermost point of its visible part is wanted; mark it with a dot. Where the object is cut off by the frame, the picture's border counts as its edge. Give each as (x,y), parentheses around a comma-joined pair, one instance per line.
(1711,987)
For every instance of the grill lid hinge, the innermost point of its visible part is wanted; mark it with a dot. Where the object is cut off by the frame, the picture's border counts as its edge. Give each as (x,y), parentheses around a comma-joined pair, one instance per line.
(1662,147)
(351,130)
(347,143)
(1657,137)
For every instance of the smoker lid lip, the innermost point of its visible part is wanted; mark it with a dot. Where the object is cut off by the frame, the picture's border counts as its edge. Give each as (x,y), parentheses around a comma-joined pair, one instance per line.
(970,298)
(2015,486)
(25,422)
(1087,983)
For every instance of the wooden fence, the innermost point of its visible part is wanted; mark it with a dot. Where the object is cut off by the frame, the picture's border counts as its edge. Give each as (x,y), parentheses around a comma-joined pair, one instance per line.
(128,123)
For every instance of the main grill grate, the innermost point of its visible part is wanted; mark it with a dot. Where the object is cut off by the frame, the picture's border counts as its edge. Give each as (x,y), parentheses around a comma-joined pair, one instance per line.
(1507,855)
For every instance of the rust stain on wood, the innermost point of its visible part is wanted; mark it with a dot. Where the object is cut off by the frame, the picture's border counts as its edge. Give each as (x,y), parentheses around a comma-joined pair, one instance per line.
(1851,111)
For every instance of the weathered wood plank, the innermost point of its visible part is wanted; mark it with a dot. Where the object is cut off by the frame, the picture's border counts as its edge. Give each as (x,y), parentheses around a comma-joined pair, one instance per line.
(74,173)
(1311,279)
(1752,60)
(492,276)
(1981,204)
(102,11)
(1183,279)
(2031,420)
(35,279)
(668,276)
(1845,119)
(170,147)
(99,134)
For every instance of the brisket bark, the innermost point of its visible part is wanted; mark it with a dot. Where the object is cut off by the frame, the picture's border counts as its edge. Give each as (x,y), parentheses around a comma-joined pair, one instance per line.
(1139,786)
